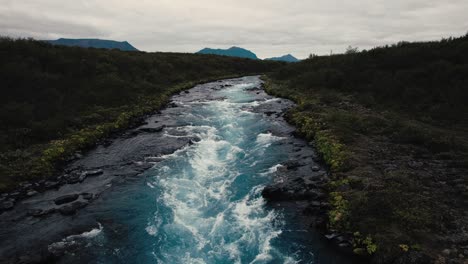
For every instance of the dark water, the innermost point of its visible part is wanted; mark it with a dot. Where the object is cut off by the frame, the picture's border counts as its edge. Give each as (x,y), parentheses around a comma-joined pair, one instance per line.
(202,203)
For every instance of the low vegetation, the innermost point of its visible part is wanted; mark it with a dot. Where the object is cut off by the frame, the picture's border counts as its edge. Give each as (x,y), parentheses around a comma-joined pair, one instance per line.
(392,125)
(57,100)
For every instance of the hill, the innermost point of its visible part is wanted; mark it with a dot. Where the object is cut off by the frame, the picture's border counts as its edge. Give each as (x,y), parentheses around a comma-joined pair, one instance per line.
(232,52)
(391,122)
(57,100)
(286,58)
(94,43)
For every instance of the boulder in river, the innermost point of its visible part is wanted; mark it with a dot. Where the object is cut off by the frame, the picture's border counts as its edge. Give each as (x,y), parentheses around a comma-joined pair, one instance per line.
(87,196)
(66,199)
(51,184)
(71,209)
(94,172)
(31,193)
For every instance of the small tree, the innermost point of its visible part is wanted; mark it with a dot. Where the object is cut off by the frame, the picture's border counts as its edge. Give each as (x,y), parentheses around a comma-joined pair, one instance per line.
(312,55)
(352,50)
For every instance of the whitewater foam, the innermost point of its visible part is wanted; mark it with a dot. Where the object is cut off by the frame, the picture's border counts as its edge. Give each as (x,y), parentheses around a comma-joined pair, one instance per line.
(73,240)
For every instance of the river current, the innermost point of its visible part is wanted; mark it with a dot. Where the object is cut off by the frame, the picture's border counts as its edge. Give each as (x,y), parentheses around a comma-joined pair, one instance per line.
(202,203)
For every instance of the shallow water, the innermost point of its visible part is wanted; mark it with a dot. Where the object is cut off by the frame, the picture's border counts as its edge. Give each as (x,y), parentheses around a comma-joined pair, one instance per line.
(202,203)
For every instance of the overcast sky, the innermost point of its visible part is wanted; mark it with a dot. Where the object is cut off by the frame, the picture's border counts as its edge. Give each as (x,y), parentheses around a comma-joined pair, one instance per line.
(267,27)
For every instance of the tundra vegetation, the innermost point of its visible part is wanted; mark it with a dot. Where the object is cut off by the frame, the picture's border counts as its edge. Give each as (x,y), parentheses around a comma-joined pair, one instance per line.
(391,123)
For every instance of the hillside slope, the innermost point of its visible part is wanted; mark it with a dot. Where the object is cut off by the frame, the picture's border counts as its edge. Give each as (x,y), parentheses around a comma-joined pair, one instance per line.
(392,125)
(57,100)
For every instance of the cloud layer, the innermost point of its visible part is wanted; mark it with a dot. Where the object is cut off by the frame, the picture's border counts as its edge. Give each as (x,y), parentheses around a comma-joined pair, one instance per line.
(267,27)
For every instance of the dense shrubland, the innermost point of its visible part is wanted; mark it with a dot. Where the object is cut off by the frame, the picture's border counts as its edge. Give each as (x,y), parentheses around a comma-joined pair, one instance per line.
(392,124)
(429,79)
(56,99)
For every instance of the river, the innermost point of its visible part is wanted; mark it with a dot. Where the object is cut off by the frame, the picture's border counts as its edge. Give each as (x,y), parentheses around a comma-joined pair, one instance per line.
(186,188)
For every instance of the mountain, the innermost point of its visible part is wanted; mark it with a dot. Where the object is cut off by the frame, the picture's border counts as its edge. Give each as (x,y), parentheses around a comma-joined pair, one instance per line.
(286,58)
(232,52)
(94,43)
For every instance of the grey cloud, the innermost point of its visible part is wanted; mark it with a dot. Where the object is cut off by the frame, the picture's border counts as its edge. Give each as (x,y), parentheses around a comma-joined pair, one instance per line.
(268,27)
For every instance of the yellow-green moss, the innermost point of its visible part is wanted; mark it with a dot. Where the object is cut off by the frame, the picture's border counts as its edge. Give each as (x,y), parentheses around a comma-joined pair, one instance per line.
(366,242)
(338,214)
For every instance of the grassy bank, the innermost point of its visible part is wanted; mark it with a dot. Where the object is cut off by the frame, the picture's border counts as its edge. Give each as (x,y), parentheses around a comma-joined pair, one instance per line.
(60,100)
(398,171)
(55,153)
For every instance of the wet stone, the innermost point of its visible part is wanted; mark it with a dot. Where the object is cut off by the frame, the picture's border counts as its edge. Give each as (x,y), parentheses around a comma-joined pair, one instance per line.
(26,185)
(31,193)
(50,184)
(40,212)
(71,209)
(151,129)
(87,196)
(14,195)
(331,236)
(94,172)
(7,205)
(66,199)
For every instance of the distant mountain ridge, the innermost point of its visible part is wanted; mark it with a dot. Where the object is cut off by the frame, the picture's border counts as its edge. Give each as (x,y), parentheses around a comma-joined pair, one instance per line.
(244,53)
(94,43)
(232,52)
(286,58)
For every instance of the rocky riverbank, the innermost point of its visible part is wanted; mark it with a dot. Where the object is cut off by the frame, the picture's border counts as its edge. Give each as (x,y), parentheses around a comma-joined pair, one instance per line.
(396,190)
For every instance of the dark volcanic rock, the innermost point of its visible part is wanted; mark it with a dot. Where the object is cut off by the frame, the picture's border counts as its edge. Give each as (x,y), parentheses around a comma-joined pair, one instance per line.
(51,184)
(74,177)
(7,205)
(274,193)
(87,196)
(292,164)
(280,193)
(40,212)
(31,192)
(413,257)
(94,172)
(66,199)
(151,129)
(71,209)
